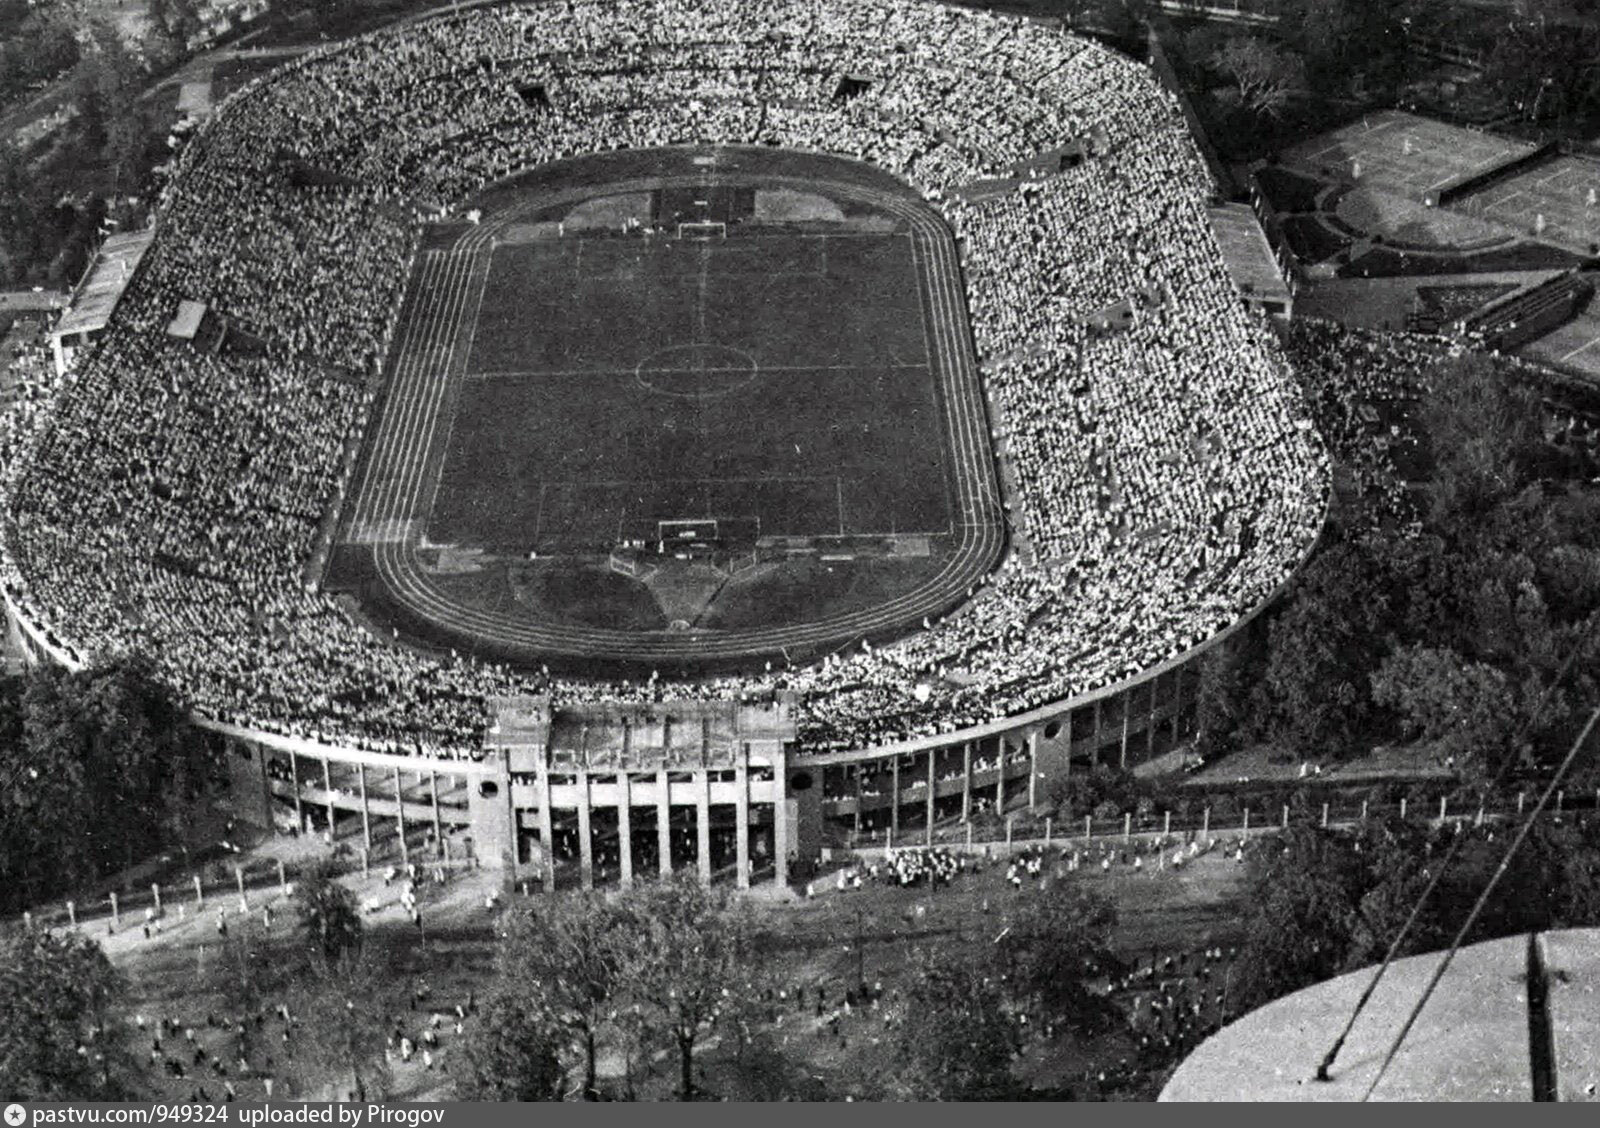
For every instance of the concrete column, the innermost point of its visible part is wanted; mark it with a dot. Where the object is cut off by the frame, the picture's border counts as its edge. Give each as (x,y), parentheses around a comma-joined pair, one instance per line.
(1000,776)
(1094,752)
(511,825)
(400,819)
(1127,716)
(625,827)
(894,796)
(547,828)
(664,821)
(294,782)
(855,772)
(702,845)
(327,787)
(1033,769)
(585,841)
(741,826)
(928,835)
(1150,721)
(438,823)
(966,780)
(780,826)
(266,780)
(366,815)
(1177,709)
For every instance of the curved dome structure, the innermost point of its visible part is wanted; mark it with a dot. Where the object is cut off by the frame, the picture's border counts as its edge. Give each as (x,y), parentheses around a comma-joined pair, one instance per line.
(1161,477)
(1483,1036)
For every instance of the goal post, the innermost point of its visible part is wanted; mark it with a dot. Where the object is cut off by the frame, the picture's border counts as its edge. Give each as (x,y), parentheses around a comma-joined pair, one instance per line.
(706,229)
(687,530)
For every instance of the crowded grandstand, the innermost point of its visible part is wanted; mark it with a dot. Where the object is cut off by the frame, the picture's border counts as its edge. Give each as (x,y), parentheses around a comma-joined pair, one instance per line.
(1167,480)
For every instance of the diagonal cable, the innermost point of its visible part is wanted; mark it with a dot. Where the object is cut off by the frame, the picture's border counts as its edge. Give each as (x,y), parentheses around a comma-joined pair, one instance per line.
(1433,883)
(1483,898)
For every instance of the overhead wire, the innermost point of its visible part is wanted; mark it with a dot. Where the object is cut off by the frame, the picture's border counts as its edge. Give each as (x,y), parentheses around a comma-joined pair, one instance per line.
(1439,871)
(1483,899)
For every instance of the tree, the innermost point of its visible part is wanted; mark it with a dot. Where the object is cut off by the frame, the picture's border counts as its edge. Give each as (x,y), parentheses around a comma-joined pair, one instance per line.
(328,914)
(1229,673)
(685,952)
(1053,944)
(1466,709)
(1322,649)
(956,1042)
(1264,75)
(1084,793)
(245,975)
(511,1053)
(1353,43)
(339,1006)
(56,1043)
(564,959)
(1543,63)
(104,768)
(1304,891)
(1483,433)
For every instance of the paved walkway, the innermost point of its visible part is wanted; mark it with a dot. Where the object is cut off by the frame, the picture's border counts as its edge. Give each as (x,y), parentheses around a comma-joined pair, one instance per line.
(29,301)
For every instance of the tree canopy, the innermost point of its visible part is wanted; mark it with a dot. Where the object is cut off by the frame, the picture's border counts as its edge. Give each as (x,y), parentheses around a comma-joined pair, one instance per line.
(1326,901)
(57,1042)
(1459,572)
(329,918)
(97,769)
(956,1041)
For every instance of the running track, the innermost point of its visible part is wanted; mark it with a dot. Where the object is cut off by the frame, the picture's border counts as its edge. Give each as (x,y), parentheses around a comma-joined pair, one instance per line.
(395,494)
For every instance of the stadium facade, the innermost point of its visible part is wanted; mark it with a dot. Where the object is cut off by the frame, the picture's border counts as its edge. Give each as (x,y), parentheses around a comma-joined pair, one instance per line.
(627,773)
(1162,480)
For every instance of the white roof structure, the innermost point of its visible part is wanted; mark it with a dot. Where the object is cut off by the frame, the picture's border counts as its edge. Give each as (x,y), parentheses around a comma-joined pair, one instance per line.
(108,275)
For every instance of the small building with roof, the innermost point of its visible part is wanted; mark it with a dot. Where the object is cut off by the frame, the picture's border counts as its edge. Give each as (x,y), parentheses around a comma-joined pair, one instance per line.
(96,296)
(1261,279)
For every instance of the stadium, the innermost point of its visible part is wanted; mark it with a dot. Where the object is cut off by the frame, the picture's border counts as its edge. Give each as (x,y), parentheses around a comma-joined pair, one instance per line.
(650,434)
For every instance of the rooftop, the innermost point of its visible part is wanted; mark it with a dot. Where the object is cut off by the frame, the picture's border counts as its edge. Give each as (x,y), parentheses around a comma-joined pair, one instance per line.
(103,283)
(1470,1043)
(1245,249)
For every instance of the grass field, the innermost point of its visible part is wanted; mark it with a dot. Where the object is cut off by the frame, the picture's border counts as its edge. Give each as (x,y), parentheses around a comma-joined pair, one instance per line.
(777,379)
(578,367)
(180,975)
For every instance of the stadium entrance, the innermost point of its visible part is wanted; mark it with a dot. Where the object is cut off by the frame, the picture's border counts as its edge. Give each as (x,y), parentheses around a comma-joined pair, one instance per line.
(690,408)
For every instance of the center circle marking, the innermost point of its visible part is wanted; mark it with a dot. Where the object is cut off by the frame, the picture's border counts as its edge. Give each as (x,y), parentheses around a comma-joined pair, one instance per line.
(696,371)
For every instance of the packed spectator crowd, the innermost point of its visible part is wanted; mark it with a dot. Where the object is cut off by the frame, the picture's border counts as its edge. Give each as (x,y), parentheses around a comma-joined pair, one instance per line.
(1167,478)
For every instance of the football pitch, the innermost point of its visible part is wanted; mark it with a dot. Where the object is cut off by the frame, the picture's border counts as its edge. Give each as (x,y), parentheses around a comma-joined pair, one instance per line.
(676,409)
(777,383)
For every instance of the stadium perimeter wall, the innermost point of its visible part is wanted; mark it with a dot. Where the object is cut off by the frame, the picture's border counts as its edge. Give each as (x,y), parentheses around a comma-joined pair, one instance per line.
(795,804)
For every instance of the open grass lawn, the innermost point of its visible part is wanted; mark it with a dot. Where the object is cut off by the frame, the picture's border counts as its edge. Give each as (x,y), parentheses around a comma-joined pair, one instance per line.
(176,975)
(780,380)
